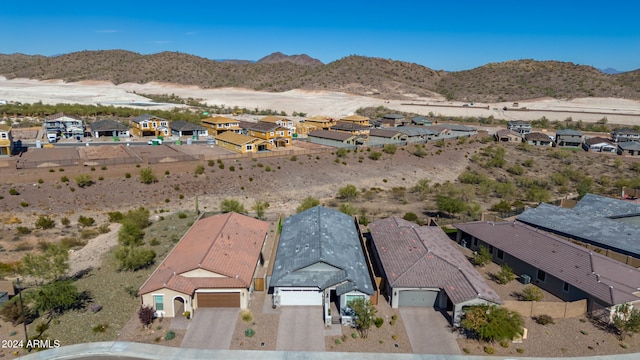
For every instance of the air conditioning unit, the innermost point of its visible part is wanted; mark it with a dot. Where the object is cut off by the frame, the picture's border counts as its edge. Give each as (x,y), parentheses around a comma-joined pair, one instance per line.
(525,279)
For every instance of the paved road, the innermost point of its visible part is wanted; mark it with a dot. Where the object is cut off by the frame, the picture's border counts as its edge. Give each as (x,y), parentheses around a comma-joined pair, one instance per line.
(211,329)
(428,331)
(300,329)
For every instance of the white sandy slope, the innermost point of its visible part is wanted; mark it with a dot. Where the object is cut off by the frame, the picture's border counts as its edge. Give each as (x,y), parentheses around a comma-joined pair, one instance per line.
(335,104)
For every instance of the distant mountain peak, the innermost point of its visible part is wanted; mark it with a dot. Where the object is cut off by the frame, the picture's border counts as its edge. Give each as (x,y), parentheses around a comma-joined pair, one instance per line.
(302,59)
(611,71)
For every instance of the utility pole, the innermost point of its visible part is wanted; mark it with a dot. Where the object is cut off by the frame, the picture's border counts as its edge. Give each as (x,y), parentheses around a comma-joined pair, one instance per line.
(24,317)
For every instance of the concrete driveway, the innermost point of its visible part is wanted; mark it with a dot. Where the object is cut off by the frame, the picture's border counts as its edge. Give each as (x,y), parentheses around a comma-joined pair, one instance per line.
(300,329)
(428,331)
(211,328)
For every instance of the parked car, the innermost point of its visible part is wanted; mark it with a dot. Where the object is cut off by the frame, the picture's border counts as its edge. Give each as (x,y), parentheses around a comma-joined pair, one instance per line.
(155,142)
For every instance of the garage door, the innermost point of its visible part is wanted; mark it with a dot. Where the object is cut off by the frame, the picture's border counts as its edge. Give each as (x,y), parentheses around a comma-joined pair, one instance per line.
(417,298)
(219,300)
(300,297)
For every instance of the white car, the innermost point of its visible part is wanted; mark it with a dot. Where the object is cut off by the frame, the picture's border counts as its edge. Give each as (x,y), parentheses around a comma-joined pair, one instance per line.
(155,142)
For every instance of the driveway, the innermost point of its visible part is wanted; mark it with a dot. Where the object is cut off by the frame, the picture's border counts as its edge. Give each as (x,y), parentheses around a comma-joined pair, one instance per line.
(428,331)
(300,329)
(211,328)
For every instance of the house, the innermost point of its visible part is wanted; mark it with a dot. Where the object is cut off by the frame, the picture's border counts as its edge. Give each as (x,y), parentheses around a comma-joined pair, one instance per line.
(108,128)
(320,261)
(272,133)
(519,126)
(625,134)
(566,270)
(417,134)
(421,120)
(64,125)
(599,144)
(7,291)
(185,128)
(608,226)
(386,136)
(240,143)
(213,265)
(284,122)
(422,267)
(568,138)
(458,131)
(303,129)
(538,139)
(357,119)
(629,148)
(352,128)
(219,124)
(334,138)
(6,140)
(150,125)
(320,122)
(394,120)
(504,135)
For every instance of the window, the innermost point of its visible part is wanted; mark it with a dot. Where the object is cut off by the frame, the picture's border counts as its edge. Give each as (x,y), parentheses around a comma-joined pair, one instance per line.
(351,298)
(158,302)
(541,276)
(566,287)
(249,147)
(163,123)
(3,135)
(500,255)
(475,242)
(145,125)
(271,133)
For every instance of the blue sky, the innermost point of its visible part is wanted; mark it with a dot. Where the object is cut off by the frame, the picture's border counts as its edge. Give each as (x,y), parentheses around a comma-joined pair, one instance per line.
(448,35)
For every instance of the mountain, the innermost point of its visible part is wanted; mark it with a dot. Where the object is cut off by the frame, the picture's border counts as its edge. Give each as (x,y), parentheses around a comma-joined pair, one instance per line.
(384,78)
(277,57)
(611,71)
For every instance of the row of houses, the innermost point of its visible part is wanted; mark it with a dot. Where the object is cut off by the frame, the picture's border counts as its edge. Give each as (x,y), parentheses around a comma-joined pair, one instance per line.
(323,259)
(617,135)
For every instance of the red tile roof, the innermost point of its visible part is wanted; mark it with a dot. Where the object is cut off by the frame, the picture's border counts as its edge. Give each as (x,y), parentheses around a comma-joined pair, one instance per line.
(228,245)
(423,256)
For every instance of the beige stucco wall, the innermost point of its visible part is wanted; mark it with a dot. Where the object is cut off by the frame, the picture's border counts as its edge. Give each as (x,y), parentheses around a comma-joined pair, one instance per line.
(169,296)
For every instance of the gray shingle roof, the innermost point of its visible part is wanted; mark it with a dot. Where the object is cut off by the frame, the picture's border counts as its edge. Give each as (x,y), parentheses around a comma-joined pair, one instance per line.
(349,126)
(625,131)
(181,125)
(586,224)
(629,145)
(383,133)
(320,236)
(423,256)
(393,116)
(259,126)
(599,276)
(417,130)
(568,132)
(107,125)
(145,117)
(331,135)
(458,127)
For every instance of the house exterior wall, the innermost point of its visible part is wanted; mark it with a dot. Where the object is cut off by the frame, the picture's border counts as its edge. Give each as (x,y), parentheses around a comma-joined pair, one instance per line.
(236,148)
(569,140)
(158,127)
(350,143)
(168,296)
(6,143)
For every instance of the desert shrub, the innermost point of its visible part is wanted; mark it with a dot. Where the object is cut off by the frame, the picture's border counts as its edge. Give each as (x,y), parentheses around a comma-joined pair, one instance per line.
(11,312)
(147,176)
(221,166)
(88,234)
(394,317)
(307,203)
(482,257)
(520,350)
(528,163)
(100,328)
(23,230)
(378,322)
(355,335)
(71,243)
(492,323)
(211,163)
(146,314)
(375,155)
(419,151)
(13,191)
(502,206)
(544,319)
(338,341)
(348,209)
(45,222)
(232,168)
(246,316)
(342,152)
(115,216)
(232,205)
(348,192)
(249,332)
(86,221)
(532,293)
(199,170)
(505,275)
(411,217)
(182,215)
(132,259)
(170,335)
(489,349)
(104,228)
(24,203)
(127,175)
(83,180)
(390,149)
(516,170)
(293,158)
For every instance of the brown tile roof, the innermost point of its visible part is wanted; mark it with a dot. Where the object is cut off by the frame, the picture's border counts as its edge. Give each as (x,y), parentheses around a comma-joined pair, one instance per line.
(354,118)
(331,135)
(228,245)
(598,140)
(423,256)
(348,126)
(608,280)
(384,133)
(506,132)
(235,138)
(537,136)
(260,126)
(218,120)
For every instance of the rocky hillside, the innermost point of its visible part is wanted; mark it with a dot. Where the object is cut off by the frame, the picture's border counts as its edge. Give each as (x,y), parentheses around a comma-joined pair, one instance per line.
(507,81)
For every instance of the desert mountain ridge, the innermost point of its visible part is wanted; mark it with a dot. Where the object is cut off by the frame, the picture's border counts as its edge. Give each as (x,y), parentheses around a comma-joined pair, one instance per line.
(385,78)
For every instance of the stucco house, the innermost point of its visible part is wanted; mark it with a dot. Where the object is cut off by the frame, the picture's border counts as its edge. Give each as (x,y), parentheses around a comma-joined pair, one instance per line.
(64,124)
(386,136)
(625,134)
(422,267)
(520,126)
(334,138)
(220,124)
(629,148)
(357,119)
(320,122)
(282,121)
(240,143)
(320,261)
(108,128)
(394,120)
(150,125)
(599,144)
(273,134)
(6,140)
(505,135)
(185,128)
(567,270)
(213,265)
(538,139)
(568,138)
(352,128)
(421,120)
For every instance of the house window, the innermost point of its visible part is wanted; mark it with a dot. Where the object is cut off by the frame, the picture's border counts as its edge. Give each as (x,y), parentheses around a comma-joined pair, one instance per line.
(541,276)
(145,125)
(220,126)
(500,255)
(271,133)
(566,287)
(351,298)
(163,123)
(3,135)
(158,302)
(249,147)
(155,125)
(474,242)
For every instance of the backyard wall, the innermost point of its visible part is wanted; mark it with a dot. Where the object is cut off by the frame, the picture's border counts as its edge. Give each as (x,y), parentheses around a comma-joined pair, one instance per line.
(558,310)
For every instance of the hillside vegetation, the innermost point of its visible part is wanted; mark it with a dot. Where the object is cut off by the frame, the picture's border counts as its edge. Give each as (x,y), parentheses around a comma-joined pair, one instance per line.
(507,81)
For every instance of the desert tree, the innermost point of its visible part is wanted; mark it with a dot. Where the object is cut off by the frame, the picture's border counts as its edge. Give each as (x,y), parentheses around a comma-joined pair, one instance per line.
(307,203)
(348,192)
(259,207)
(232,205)
(365,315)
(492,323)
(48,266)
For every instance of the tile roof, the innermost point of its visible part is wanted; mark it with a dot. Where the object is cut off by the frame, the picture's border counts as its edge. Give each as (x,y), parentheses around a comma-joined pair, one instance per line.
(259,126)
(273,119)
(106,125)
(393,116)
(625,131)
(349,126)
(598,140)
(235,138)
(219,120)
(608,280)
(537,136)
(518,123)
(417,130)
(181,125)
(354,118)
(4,127)
(227,245)
(629,145)
(331,135)
(383,133)
(320,236)
(458,127)
(146,117)
(506,132)
(424,256)
(597,221)
(568,132)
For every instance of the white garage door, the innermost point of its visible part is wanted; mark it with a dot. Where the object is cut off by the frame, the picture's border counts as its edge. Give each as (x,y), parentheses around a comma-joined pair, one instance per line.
(300,297)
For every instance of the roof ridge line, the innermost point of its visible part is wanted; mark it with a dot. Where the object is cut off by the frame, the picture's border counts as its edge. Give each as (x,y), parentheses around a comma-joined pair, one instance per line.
(215,240)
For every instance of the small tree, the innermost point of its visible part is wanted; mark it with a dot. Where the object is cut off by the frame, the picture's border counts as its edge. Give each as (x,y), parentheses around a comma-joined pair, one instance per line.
(505,275)
(626,320)
(390,149)
(85,221)
(307,203)
(532,293)
(83,180)
(365,315)
(133,259)
(450,205)
(58,297)
(232,205)
(147,176)
(259,207)
(130,234)
(52,264)
(492,323)
(482,257)
(348,192)
(348,209)
(44,222)
(146,315)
